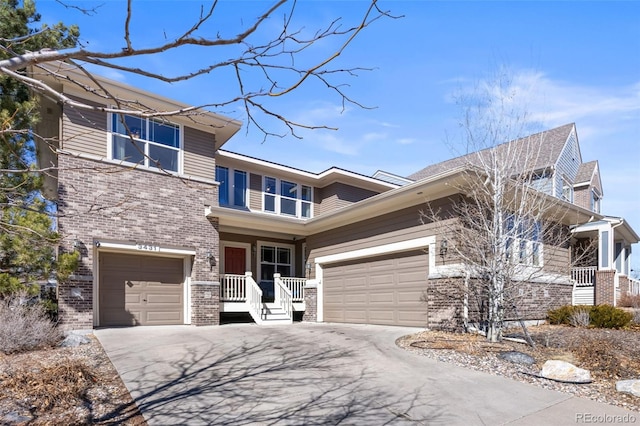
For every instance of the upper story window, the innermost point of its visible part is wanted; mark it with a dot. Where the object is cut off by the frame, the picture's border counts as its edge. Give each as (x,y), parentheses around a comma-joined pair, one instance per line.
(155,143)
(567,190)
(595,201)
(233,187)
(287,198)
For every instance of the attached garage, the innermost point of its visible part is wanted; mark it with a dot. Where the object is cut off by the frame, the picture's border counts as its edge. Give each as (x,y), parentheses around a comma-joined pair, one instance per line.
(140,290)
(385,290)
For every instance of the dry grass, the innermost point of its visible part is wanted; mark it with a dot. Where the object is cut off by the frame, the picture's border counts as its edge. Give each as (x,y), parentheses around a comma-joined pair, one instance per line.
(64,386)
(25,328)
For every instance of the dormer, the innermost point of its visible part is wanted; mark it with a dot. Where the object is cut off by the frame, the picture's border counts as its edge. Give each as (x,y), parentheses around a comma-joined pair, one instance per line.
(588,187)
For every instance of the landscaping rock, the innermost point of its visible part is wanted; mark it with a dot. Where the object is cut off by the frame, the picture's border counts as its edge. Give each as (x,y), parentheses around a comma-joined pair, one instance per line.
(517,357)
(73,340)
(563,371)
(629,386)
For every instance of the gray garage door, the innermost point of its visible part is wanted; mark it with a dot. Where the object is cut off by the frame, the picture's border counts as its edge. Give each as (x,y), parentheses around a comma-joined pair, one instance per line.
(383,290)
(140,290)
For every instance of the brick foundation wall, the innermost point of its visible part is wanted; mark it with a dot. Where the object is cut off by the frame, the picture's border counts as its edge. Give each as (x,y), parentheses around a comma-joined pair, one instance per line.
(310,303)
(205,302)
(99,201)
(623,282)
(604,291)
(445,302)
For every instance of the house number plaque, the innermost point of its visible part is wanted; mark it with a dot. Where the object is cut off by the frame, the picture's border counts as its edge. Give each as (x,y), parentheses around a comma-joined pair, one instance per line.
(147,247)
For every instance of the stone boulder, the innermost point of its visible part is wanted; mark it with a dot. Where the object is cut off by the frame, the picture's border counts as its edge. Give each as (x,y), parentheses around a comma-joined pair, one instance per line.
(73,340)
(629,386)
(517,357)
(563,371)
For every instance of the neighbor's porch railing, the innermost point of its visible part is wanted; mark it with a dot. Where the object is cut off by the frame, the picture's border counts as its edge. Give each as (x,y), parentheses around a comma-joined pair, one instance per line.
(634,286)
(584,276)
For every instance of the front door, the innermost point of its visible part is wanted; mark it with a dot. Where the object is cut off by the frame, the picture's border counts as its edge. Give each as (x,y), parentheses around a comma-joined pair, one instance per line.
(235,260)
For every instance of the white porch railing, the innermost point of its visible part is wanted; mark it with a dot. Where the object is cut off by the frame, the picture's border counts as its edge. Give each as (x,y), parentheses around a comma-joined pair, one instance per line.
(254,298)
(584,276)
(282,296)
(296,287)
(233,288)
(634,286)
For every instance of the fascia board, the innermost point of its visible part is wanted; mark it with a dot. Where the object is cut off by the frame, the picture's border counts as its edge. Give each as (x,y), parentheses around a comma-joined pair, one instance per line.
(223,127)
(316,179)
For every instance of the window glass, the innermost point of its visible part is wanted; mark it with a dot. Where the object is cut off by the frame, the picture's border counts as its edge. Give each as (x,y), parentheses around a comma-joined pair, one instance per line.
(126,150)
(222,176)
(268,254)
(164,133)
(239,188)
(147,134)
(269,188)
(163,158)
(288,189)
(283,255)
(306,193)
(136,125)
(288,206)
(306,210)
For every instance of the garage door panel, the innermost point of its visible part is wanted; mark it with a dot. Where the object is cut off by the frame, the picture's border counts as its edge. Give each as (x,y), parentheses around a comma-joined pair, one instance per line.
(140,290)
(384,290)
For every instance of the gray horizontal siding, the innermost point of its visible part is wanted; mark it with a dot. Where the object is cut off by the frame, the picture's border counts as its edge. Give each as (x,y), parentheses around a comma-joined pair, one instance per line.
(338,195)
(199,151)
(84,131)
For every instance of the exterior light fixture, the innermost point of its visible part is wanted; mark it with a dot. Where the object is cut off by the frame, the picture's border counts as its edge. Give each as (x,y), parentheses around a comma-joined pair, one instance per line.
(443,247)
(211,258)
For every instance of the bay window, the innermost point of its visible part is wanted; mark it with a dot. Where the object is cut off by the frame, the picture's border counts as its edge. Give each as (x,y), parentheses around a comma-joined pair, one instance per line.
(146,141)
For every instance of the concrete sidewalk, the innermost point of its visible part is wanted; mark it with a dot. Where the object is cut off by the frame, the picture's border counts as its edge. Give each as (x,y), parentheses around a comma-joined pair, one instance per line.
(243,374)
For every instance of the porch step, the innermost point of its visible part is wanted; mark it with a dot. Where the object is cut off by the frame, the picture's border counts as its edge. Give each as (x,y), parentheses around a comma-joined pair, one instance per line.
(272,314)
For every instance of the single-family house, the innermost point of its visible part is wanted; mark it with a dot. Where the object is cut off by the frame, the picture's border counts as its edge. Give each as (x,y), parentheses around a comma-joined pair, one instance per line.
(174,229)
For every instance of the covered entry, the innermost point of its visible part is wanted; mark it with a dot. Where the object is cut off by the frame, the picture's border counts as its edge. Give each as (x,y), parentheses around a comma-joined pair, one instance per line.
(140,290)
(384,290)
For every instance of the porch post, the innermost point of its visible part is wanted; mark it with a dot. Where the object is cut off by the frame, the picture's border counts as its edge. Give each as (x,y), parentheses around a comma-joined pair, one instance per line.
(605,289)
(310,301)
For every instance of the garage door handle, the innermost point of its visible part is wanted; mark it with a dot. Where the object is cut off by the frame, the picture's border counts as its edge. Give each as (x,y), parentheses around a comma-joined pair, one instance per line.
(144,300)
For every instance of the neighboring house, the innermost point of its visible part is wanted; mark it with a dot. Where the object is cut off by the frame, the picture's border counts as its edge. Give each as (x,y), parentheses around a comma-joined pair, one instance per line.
(212,231)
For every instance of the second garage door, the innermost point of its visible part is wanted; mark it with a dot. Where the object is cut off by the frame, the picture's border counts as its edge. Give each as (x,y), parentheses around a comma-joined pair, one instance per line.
(383,290)
(140,290)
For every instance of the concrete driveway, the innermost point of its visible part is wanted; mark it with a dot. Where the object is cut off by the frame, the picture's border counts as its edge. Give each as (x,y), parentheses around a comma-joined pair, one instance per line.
(243,374)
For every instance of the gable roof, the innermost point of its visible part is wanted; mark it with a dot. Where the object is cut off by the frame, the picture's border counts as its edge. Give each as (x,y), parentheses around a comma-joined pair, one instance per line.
(548,144)
(585,172)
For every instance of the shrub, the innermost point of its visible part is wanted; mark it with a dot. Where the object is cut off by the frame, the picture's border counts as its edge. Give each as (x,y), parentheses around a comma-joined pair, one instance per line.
(25,327)
(580,316)
(606,316)
(561,315)
(629,300)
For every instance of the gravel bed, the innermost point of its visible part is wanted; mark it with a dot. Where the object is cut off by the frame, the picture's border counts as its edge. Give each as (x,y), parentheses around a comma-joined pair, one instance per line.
(600,390)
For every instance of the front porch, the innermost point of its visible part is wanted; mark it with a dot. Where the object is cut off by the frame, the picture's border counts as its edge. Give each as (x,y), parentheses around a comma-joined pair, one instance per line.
(265,304)
(601,260)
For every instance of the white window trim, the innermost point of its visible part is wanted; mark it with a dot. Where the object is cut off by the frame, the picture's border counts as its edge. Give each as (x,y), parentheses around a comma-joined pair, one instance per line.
(278,197)
(179,149)
(232,183)
(292,258)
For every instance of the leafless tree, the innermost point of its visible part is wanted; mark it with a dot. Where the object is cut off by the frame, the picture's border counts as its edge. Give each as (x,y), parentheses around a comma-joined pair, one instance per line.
(261,69)
(505,222)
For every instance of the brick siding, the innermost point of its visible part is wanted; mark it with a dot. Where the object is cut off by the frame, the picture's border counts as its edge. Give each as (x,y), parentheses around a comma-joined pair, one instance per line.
(604,291)
(310,304)
(445,302)
(205,302)
(102,201)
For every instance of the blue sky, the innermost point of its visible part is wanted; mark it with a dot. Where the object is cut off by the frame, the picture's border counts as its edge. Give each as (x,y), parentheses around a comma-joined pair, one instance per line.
(570,61)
